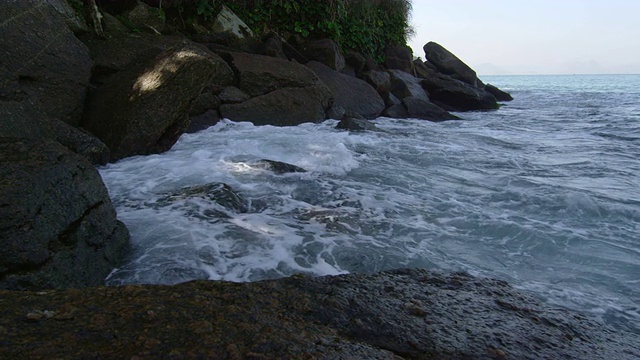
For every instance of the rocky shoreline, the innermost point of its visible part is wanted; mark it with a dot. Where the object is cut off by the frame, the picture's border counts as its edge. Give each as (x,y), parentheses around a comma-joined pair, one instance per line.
(75,94)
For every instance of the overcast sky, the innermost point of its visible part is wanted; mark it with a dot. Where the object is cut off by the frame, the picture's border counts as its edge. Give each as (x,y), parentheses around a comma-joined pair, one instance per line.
(533,36)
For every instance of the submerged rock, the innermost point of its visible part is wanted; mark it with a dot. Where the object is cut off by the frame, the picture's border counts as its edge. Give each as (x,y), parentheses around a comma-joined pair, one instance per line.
(353,122)
(219,193)
(279,167)
(400,314)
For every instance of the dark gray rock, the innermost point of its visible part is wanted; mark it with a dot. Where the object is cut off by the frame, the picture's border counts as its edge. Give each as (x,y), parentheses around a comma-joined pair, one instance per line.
(144,109)
(396,111)
(325,51)
(352,94)
(406,85)
(420,109)
(145,18)
(356,61)
(449,64)
(42,62)
(23,119)
(204,102)
(422,70)
(499,94)
(272,46)
(58,228)
(400,314)
(260,75)
(380,80)
(202,121)
(455,95)
(354,122)
(400,58)
(74,20)
(232,95)
(283,107)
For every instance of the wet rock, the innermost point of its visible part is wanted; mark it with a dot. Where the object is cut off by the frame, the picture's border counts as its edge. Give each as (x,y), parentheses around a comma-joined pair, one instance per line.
(420,109)
(396,111)
(352,94)
(202,121)
(60,230)
(400,314)
(279,167)
(219,193)
(354,122)
(499,94)
(455,95)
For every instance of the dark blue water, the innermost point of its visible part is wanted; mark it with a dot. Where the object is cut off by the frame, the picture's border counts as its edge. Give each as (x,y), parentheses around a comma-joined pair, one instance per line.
(544,193)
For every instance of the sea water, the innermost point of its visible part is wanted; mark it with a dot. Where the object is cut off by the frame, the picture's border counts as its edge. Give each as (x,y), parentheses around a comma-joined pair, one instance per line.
(543,193)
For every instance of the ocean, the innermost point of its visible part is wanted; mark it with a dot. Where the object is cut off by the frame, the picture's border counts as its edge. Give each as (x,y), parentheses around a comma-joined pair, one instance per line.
(543,193)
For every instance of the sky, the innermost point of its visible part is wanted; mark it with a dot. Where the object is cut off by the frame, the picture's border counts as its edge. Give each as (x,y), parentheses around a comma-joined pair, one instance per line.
(533,36)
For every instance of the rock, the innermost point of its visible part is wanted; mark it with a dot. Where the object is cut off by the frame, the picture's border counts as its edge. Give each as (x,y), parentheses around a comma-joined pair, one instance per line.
(145,18)
(400,58)
(449,64)
(356,61)
(61,230)
(144,109)
(229,23)
(259,74)
(202,121)
(43,63)
(396,111)
(380,80)
(232,95)
(422,70)
(420,109)
(22,119)
(279,167)
(273,46)
(455,95)
(499,94)
(219,193)
(352,94)
(289,106)
(325,51)
(355,122)
(406,85)
(75,21)
(399,314)
(204,102)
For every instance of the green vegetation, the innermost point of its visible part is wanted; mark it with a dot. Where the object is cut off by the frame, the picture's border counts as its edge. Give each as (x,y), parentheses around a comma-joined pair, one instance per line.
(366,26)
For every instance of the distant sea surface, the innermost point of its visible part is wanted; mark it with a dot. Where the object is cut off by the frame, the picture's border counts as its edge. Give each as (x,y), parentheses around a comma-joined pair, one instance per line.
(543,193)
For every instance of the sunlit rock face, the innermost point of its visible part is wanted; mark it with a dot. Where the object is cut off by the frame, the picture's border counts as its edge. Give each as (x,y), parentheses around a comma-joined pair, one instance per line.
(145,108)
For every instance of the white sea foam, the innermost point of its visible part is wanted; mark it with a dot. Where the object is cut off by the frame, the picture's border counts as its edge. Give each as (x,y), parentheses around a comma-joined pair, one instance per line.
(515,194)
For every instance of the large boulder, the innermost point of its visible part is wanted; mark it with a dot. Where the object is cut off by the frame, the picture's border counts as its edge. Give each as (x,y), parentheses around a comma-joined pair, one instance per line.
(283,107)
(42,63)
(325,51)
(399,314)
(406,85)
(448,63)
(350,93)
(399,57)
(145,108)
(455,95)
(419,109)
(57,225)
(259,74)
